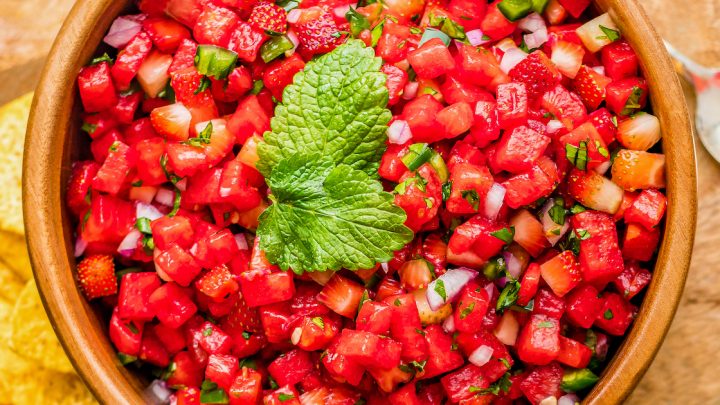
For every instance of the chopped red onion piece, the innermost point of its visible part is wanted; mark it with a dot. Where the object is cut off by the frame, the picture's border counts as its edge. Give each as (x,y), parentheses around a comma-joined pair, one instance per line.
(340,11)
(568,399)
(553,232)
(399,132)
(294,15)
(122,30)
(385,267)
(241,241)
(452,282)
(481,355)
(477,37)
(157,393)
(148,211)
(513,264)
(80,246)
(165,197)
(536,39)
(410,90)
(449,324)
(532,23)
(490,289)
(182,184)
(129,243)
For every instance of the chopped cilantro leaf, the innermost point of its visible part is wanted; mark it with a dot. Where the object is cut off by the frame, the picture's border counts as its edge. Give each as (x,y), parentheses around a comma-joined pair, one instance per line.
(506,234)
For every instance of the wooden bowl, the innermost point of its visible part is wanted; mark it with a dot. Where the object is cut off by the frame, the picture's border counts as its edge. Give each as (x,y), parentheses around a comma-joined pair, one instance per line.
(53,142)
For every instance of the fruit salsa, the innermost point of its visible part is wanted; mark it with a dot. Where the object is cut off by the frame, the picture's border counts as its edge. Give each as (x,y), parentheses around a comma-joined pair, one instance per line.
(397,202)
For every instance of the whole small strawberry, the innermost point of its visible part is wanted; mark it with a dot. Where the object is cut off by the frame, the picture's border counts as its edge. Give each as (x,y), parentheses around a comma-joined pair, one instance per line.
(269,17)
(96,275)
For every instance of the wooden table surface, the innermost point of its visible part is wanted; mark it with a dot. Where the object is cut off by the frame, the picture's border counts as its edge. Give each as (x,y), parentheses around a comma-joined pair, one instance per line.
(687,368)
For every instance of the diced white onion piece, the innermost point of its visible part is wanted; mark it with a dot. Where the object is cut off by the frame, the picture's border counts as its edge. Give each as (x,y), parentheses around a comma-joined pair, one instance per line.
(490,289)
(129,243)
(410,90)
(477,37)
(494,201)
(452,281)
(507,329)
(481,355)
(294,15)
(165,197)
(399,132)
(592,35)
(153,73)
(148,211)
(599,69)
(512,57)
(532,23)
(554,126)
(80,246)
(122,30)
(449,324)
(536,39)
(157,393)
(385,267)
(296,335)
(553,232)
(603,167)
(241,241)
(569,399)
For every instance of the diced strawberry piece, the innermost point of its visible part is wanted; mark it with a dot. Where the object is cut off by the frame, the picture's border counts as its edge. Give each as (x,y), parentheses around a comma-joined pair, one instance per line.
(172,305)
(215,25)
(633,280)
(620,60)
(627,96)
(566,106)
(406,327)
(421,197)
(600,257)
(468,13)
(519,149)
(239,82)
(184,56)
(134,296)
(79,184)
(471,307)
(125,335)
(526,188)
(586,137)
(187,372)
(177,264)
(166,34)
(529,233)
(495,25)
(432,59)
(416,274)
(342,296)
(388,380)
(249,119)
(421,116)
(153,74)
(476,235)
(396,80)
(340,367)
(185,11)
(291,368)
(263,289)
(369,349)
(633,170)
(279,74)
(129,60)
(537,72)
(127,105)
(582,306)
(595,191)
(116,168)
(246,41)
(100,147)
(96,87)
(457,384)
(591,86)
(568,57)
(441,357)
(548,304)
(575,7)
(241,318)
(246,388)
(561,273)
(616,316)
(221,369)
(487,125)
(539,340)
(317,35)
(152,350)
(529,284)
(470,185)
(480,67)
(215,249)
(604,124)
(172,338)
(109,222)
(542,382)
(172,121)
(512,104)
(639,242)
(267,16)
(214,340)
(218,283)
(316,333)
(648,209)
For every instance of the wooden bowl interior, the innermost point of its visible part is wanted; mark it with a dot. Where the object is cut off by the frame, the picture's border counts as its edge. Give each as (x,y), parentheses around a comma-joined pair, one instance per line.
(54,142)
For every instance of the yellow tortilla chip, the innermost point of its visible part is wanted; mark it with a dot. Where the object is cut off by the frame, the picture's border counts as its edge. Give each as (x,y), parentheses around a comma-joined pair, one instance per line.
(10,283)
(32,336)
(13,252)
(43,387)
(13,122)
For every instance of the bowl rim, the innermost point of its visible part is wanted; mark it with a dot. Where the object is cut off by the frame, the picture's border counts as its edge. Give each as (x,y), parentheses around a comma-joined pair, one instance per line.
(89,349)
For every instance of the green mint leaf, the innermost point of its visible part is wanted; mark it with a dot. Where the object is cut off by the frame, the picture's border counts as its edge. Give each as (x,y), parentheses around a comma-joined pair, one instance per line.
(633,101)
(508,296)
(336,107)
(610,34)
(506,234)
(358,22)
(446,190)
(319,322)
(471,196)
(440,289)
(557,212)
(577,155)
(467,310)
(327,217)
